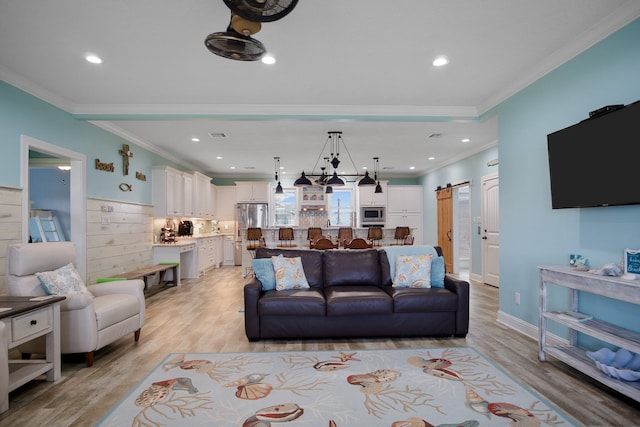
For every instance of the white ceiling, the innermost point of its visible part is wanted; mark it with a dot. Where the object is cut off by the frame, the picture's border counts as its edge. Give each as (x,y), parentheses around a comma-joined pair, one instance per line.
(362,67)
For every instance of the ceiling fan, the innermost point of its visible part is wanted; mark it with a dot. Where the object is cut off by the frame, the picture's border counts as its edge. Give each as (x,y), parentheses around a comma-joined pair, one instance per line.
(261,10)
(246,18)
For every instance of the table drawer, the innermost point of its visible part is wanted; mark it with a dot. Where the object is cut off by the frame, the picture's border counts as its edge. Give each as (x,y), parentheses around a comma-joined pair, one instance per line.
(30,323)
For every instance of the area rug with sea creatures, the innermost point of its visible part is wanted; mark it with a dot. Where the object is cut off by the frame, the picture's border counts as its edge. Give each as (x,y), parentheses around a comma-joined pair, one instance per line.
(454,386)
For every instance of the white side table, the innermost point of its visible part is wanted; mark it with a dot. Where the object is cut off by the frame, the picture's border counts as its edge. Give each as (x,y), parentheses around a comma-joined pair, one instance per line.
(25,320)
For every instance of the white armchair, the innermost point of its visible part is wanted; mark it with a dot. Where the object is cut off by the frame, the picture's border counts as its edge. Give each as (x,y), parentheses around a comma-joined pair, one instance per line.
(86,323)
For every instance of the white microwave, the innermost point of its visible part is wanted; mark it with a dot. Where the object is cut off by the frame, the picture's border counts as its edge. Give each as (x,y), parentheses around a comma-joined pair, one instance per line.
(372,215)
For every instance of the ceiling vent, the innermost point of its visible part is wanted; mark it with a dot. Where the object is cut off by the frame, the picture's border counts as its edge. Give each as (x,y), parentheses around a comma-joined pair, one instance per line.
(217,135)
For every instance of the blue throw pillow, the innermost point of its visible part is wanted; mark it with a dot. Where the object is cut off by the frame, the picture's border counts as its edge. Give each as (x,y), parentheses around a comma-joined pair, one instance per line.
(437,272)
(263,268)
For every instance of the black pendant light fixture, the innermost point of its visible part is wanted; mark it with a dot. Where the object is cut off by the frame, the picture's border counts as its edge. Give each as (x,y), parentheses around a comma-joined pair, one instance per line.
(334,143)
(279,189)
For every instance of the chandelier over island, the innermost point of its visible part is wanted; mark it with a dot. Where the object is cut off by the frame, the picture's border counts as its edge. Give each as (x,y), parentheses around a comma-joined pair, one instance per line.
(334,143)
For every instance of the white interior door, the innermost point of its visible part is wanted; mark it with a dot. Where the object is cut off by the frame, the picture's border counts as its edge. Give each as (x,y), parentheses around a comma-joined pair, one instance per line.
(490,230)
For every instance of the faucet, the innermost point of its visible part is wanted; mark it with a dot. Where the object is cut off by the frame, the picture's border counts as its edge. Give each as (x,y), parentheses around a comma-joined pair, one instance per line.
(328,223)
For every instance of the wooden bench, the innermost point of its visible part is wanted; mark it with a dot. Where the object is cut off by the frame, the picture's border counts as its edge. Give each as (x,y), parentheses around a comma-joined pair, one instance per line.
(146,272)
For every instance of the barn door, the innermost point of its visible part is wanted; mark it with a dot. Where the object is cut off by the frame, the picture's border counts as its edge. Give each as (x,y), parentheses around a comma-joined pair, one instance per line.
(445,226)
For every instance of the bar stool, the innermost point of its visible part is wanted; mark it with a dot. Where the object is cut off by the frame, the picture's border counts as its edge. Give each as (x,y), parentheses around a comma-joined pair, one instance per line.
(400,234)
(358,243)
(285,235)
(374,234)
(345,235)
(254,241)
(313,234)
(324,243)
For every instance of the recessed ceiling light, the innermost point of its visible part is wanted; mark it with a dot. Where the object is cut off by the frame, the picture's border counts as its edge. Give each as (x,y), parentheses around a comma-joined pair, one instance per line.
(465,140)
(93,59)
(219,157)
(412,167)
(268,59)
(195,139)
(232,167)
(440,61)
(432,158)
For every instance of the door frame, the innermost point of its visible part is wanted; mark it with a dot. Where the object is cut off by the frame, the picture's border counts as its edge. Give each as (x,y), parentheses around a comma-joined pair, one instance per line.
(485,274)
(77,199)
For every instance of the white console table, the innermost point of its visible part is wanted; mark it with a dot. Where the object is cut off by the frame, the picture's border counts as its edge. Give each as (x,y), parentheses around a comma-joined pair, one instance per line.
(607,286)
(25,320)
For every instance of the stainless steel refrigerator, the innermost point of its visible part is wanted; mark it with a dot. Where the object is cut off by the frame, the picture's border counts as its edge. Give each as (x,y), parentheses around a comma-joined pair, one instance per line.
(249,215)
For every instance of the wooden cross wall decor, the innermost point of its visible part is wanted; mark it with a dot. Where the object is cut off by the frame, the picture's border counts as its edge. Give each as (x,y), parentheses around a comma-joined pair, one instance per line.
(125,153)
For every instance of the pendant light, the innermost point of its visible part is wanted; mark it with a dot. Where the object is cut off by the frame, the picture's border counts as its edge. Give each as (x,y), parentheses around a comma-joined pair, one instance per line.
(279,189)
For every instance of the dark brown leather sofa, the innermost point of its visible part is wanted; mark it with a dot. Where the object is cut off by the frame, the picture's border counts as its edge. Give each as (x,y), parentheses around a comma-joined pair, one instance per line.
(350,295)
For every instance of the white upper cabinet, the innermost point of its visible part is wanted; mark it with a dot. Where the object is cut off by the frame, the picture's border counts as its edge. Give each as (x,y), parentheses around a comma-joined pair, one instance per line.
(404,199)
(368,197)
(187,184)
(201,196)
(225,203)
(252,192)
(167,193)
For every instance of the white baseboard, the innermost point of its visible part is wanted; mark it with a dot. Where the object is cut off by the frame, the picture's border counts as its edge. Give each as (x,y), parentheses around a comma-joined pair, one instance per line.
(527,329)
(475,277)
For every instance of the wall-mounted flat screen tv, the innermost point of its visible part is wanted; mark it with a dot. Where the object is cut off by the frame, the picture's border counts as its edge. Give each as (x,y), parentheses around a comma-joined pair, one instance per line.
(597,161)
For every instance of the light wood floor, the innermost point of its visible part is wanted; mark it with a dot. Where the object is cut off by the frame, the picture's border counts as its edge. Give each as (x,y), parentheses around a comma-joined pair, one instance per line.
(203,316)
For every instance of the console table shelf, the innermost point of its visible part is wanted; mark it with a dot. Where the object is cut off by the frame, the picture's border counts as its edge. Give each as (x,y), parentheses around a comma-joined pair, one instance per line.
(572,355)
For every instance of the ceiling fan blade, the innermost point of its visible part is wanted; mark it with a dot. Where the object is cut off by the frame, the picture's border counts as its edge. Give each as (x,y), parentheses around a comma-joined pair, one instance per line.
(261,10)
(232,45)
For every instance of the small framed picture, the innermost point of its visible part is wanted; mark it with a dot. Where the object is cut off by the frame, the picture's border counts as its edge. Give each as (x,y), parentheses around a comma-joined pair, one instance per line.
(632,261)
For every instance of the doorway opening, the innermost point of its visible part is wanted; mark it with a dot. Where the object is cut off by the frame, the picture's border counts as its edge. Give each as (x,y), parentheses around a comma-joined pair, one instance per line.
(75,179)
(462,233)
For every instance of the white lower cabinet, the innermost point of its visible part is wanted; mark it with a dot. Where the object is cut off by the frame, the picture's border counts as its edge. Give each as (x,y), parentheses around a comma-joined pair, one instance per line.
(210,253)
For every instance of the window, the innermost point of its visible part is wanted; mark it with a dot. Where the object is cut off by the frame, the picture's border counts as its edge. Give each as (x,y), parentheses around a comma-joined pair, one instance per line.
(285,206)
(341,207)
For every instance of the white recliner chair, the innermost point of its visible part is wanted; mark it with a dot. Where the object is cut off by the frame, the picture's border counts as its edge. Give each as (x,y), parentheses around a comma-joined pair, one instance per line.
(87,323)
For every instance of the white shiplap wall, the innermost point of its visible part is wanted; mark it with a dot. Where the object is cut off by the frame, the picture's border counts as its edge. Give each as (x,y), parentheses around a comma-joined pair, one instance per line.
(10,225)
(119,240)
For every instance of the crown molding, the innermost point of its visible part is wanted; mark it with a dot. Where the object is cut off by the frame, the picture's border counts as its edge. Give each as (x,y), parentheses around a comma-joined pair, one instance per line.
(611,23)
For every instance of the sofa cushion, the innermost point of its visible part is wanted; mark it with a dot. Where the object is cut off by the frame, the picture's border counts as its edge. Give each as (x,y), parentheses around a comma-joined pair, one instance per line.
(63,281)
(413,271)
(388,255)
(311,261)
(263,269)
(355,300)
(289,273)
(417,300)
(437,272)
(292,302)
(352,268)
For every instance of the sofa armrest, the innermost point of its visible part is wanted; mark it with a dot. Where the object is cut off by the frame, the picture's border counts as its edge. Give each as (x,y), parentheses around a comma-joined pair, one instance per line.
(461,289)
(252,293)
(75,302)
(131,287)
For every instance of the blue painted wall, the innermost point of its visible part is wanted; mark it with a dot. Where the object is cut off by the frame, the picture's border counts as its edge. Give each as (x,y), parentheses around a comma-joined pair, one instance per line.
(23,114)
(533,234)
(470,169)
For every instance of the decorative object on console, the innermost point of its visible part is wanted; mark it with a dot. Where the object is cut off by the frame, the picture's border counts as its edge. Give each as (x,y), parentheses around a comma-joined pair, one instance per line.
(621,364)
(334,140)
(632,261)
